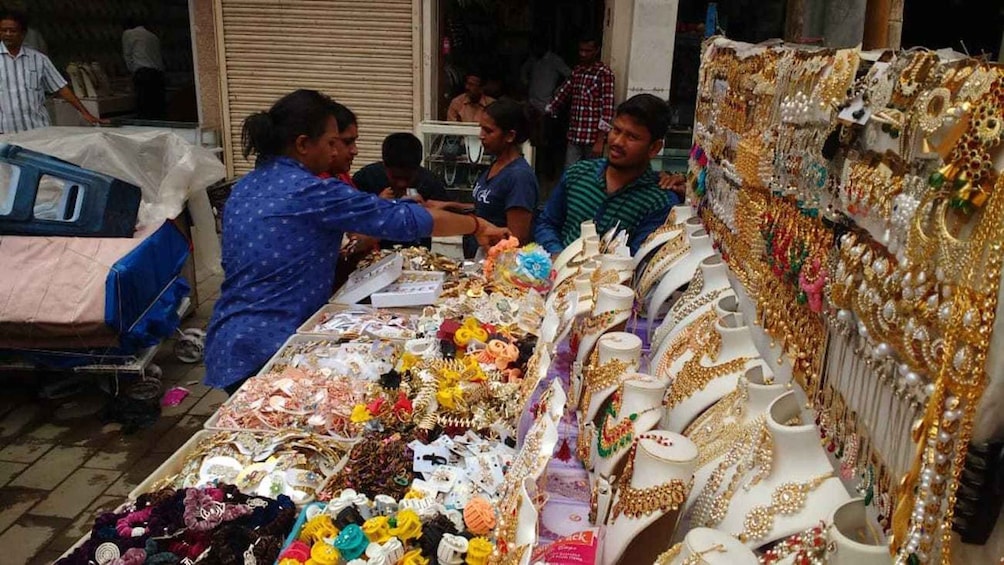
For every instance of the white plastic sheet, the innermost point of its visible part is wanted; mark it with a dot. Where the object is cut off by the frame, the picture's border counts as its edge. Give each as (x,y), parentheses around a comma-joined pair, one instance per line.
(168,169)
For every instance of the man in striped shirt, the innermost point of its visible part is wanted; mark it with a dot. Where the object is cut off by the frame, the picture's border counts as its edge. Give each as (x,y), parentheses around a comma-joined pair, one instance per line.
(622,189)
(26,76)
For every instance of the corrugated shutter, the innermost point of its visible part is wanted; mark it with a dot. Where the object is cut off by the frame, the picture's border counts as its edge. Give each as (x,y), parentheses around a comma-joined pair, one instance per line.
(362,53)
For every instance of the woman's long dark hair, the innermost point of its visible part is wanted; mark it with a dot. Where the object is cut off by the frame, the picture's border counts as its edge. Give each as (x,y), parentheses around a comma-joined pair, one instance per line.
(302,112)
(511,116)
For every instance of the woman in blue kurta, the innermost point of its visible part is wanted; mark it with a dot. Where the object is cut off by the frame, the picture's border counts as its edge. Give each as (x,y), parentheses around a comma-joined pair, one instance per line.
(282,232)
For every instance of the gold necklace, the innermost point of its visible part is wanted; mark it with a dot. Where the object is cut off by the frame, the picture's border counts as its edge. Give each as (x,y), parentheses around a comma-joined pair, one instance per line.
(601,278)
(717,430)
(696,558)
(599,322)
(700,334)
(597,378)
(635,503)
(695,377)
(669,253)
(786,500)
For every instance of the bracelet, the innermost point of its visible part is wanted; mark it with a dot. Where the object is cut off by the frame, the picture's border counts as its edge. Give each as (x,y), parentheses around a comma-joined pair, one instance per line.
(477,225)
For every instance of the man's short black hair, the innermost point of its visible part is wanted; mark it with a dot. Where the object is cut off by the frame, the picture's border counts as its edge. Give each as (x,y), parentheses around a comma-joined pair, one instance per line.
(402,150)
(18,16)
(591,37)
(650,111)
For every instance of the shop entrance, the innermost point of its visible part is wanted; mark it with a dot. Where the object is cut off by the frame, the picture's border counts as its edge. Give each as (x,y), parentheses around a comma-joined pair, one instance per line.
(84,42)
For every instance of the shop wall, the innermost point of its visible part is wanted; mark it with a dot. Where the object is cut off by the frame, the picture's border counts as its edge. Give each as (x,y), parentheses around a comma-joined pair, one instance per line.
(366,55)
(207,66)
(840,23)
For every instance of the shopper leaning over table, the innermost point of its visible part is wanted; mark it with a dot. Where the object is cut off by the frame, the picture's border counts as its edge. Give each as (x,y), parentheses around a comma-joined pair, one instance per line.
(282,230)
(621,190)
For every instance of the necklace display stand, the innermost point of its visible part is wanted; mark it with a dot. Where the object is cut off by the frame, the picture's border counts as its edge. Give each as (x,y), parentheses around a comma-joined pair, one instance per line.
(671,253)
(639,410)
(611,311)
(620,349)
(716,431)
(704,546)
(680,273)
(853,539)
(723,307)
(711,282)
(649,498)
(800,489)
(673,226)
(573,253)
(590,249)
(701,381)
(620,264)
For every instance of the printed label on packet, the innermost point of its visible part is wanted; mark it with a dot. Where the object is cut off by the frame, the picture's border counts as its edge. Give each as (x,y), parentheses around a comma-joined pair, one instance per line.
(577,549)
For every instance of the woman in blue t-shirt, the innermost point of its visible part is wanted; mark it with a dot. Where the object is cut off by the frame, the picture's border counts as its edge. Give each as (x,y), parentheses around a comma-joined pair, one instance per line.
(507,193)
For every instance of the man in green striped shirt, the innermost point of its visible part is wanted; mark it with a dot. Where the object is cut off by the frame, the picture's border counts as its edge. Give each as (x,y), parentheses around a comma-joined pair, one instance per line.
(621,189)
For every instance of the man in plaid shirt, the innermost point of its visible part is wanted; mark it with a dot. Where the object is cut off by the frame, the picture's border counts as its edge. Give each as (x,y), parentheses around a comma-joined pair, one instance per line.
(590,90)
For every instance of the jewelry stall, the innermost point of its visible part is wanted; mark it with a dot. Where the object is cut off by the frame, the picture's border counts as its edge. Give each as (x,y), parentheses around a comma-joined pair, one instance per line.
(791,369)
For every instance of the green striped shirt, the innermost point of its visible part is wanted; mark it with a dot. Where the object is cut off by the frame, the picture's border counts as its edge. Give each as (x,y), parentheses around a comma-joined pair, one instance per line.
(586,198)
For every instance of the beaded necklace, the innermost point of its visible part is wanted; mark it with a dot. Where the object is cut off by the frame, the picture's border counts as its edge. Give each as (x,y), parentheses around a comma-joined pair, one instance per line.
(612,439)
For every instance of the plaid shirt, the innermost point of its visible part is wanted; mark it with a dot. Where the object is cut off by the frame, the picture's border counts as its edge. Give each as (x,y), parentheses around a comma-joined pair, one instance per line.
(591,92)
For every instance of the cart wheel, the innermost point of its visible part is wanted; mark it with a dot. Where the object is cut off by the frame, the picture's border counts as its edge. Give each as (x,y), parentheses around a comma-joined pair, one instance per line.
(153,371)
(190,345)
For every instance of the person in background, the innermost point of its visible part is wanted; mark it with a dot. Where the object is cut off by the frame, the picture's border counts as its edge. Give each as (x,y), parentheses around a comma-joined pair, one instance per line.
(542,73)
(471,104)
(400,170)
(348,135)
(26,76)
(141,50)
(282,234)
(506,194)
(33,38)
(622,190)
(589,93)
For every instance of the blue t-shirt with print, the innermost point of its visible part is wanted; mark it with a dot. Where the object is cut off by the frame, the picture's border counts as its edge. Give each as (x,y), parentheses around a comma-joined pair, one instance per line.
(515,186)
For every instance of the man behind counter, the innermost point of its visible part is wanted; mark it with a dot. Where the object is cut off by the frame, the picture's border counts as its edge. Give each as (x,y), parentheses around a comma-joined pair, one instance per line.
(400,170)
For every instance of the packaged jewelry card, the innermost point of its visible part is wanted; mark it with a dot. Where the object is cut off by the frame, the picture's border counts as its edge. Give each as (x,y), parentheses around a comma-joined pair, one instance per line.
(411,289)
(580,548)
(336,321)
(294,464)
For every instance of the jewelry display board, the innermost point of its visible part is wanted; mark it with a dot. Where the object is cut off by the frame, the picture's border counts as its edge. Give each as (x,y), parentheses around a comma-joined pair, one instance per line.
(859,203)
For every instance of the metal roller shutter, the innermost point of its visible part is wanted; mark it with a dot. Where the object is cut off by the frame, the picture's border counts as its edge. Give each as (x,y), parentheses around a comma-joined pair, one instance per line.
(364,54)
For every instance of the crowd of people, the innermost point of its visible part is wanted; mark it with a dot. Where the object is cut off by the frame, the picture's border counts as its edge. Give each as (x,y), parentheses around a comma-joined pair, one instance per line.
(286,221)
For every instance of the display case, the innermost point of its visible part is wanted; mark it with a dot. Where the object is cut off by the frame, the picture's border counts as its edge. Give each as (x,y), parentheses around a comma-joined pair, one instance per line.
(453,152)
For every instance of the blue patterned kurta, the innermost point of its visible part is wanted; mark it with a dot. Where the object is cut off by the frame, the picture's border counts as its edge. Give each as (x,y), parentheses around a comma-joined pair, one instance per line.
(282,232)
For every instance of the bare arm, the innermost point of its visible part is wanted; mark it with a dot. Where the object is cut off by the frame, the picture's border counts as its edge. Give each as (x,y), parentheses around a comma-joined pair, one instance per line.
(448,223)
(518,221)
(66,94)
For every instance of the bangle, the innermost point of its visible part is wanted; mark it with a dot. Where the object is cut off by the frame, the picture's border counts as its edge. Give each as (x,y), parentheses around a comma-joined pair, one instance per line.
(477,225)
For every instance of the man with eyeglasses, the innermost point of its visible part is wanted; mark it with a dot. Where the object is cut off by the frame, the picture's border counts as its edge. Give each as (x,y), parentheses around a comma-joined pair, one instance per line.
(26,76)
